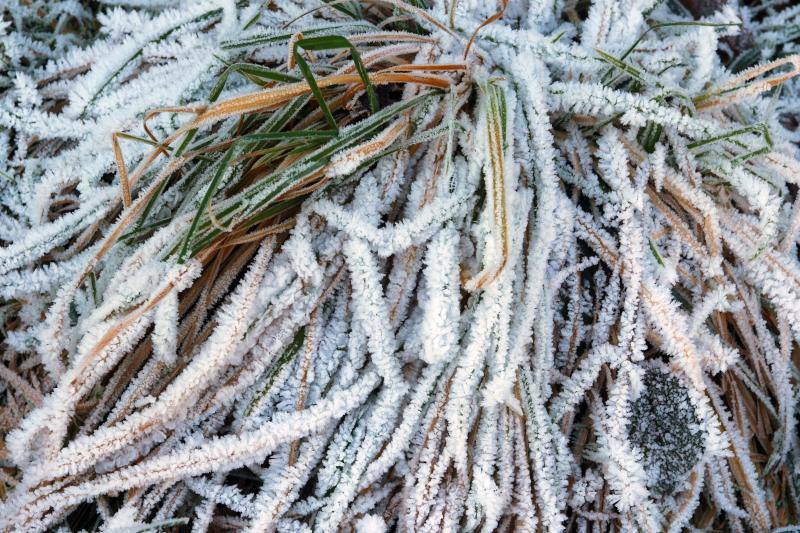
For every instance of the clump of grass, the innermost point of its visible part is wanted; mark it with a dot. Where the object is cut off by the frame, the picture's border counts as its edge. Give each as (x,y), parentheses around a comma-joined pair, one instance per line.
(399,265)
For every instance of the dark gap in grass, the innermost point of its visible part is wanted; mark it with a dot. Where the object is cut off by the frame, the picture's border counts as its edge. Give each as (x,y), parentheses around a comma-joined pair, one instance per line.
(84,517)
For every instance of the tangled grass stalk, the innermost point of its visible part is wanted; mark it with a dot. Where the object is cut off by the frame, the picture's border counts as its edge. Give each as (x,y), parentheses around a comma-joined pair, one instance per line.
(370,265)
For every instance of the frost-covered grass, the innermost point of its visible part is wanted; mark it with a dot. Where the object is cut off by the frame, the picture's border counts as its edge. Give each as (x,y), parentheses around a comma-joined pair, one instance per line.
(419,265)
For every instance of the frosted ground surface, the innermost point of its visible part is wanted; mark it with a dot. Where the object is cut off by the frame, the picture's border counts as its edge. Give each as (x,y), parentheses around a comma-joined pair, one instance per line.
(385,266)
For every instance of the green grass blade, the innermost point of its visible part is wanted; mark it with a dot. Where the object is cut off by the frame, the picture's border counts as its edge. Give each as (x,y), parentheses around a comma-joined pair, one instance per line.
(284,36)
(315,90)
(337,42)
(660,25)
(212,189)
(251,71)
(281,135)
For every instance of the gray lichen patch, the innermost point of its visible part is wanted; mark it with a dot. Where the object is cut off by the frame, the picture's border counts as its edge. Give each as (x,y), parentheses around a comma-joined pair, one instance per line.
(665,427)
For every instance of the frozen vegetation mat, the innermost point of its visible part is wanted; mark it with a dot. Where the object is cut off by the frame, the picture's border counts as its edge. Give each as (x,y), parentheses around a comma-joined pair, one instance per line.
(399,265)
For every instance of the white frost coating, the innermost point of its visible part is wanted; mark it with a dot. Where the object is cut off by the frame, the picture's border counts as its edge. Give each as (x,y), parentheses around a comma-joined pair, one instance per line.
(439,330)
